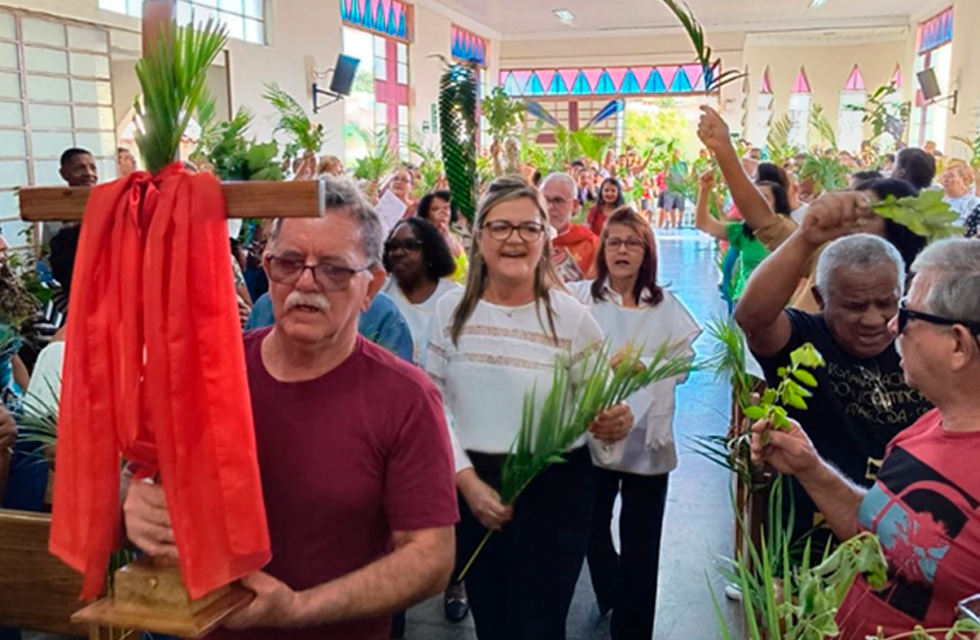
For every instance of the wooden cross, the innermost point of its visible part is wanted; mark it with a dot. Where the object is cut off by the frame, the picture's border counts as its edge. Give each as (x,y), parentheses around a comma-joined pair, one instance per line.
(52,601)
(303,199)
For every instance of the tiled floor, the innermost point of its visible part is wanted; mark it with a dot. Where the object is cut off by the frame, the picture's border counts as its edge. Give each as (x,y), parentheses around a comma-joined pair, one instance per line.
(699,519)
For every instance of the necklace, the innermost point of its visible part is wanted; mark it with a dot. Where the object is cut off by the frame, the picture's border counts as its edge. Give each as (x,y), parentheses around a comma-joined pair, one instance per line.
(880,397)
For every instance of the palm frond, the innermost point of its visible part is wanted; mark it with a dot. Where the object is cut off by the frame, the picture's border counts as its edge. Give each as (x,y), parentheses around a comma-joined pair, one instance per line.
(566,413)
(458,130)
(173,83)
(826,172)
(293,119)
(380,159)
(705,57)
(823,127)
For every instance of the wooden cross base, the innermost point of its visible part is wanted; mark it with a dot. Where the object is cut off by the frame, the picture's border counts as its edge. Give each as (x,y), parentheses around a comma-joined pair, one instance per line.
(149,594)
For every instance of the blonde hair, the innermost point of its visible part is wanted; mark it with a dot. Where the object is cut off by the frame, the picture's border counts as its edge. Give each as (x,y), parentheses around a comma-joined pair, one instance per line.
(965,171)
(501,190)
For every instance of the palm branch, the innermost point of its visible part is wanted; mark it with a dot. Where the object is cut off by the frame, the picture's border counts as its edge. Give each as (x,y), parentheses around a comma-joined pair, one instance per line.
(380,159)
(695,33)
(294,121)
(38,422)
(590,145)
(458,128)
(567,414)
(430,168)
(778,141)
(826,172)
(823,127)
(173,83)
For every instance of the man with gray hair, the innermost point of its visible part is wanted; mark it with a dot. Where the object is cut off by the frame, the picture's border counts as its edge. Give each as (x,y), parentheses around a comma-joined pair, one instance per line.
(575,246)
(861,401)
(925,505)
(357,468)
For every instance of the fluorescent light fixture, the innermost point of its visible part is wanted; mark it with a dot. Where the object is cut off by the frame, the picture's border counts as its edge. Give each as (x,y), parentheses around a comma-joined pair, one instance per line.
(564,15)
(816,4)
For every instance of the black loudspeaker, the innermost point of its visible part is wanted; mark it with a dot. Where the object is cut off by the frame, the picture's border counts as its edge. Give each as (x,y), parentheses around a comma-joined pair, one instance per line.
(929,85)
(343,75)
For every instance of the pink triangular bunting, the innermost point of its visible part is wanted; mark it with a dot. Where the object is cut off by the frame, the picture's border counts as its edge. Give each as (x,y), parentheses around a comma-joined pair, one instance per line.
(547,76)
(616,74)
(593,75)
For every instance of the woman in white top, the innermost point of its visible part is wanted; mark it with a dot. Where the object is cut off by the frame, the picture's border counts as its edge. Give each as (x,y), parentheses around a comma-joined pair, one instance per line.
(631,307)
(958,185)
(419,265)
(488,346)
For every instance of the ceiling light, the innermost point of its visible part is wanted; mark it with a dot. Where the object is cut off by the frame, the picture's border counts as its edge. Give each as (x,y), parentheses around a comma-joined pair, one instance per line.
(564,15)
(816,4)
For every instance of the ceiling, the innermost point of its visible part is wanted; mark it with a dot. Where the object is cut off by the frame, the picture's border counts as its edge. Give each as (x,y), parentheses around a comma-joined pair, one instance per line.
(526,19)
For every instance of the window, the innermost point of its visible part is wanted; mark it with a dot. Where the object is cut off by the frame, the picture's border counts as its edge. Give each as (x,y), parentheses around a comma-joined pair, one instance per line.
(60,97)
(800,102)
(605,81)
(377,33)
(245,19)
(934,51)
(850,112)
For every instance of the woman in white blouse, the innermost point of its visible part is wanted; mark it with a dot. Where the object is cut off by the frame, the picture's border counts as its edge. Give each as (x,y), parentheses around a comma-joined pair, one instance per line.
(419,265)
(488,345)
(631,307)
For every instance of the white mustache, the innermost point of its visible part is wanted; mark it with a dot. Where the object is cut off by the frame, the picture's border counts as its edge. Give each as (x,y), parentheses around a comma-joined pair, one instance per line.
(306,299)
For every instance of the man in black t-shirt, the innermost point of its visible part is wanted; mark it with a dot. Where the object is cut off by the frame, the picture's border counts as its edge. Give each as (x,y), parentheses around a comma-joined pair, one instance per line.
(861,401)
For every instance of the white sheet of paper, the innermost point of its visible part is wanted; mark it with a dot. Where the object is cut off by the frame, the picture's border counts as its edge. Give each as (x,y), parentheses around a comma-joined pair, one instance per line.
(390,210)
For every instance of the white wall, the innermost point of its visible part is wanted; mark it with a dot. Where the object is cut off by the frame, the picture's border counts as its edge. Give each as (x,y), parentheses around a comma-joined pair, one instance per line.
(827,67)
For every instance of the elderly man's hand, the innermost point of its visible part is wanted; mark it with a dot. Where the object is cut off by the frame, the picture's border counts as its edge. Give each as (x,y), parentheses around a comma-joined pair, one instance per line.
(835,215)
(8,430)
(275,605)
(789,452)
(148,521)
(614,424)
(713,131)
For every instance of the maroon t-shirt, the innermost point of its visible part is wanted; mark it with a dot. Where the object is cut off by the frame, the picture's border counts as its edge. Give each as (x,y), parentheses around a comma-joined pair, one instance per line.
(925,509)
(345,460)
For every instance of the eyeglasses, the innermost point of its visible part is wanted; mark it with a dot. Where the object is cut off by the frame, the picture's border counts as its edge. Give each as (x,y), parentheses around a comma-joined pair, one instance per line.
(501,230)
(557,201)
(328,277)
(905,315)
(408,246)
(631,244)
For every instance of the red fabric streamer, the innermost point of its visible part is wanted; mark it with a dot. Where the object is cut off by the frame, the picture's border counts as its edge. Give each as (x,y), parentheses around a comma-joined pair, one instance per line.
(155,373)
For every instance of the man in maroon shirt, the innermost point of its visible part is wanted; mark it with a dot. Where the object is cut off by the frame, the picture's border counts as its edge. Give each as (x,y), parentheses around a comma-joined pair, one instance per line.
(925,504)
(357,469)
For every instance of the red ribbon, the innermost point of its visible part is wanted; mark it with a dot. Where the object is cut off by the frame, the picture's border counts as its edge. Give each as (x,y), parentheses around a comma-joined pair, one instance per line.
(155,373)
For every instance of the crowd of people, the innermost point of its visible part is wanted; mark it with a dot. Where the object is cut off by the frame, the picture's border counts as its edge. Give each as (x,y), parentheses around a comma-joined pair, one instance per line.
(376,500)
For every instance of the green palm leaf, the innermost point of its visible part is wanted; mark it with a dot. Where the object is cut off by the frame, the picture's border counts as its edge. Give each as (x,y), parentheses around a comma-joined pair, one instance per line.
(173,81)
(458,129)
(705,56)
(567,413)
(294,121)
(823,127)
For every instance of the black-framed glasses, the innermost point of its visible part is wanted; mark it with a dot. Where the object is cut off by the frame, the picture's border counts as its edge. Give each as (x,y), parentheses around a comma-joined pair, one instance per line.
(631,244)
(905,315)
(408,245)
(501,230)
(328,277)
